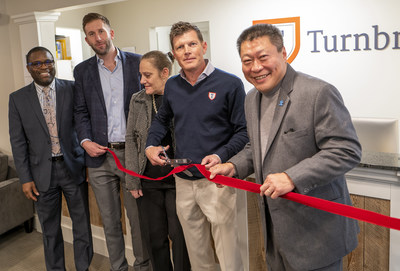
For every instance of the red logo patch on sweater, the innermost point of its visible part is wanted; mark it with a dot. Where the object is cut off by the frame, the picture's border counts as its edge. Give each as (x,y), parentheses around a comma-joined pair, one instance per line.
(211,95)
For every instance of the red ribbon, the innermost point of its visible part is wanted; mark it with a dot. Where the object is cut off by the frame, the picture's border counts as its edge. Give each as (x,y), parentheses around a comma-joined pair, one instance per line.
(321,204)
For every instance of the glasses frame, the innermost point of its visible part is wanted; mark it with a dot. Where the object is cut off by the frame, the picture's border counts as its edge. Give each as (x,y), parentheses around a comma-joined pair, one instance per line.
(37,64)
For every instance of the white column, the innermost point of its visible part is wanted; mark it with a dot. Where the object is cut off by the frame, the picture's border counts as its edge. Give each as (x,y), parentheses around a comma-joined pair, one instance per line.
(36,29)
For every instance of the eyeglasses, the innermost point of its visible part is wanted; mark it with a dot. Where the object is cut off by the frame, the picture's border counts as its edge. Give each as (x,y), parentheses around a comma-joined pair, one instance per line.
(37,64)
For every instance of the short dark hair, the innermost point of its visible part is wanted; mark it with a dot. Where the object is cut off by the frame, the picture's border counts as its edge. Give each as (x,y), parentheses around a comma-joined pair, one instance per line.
(94,16)
(180,28)
(261,30)
(159,60)
(37,49)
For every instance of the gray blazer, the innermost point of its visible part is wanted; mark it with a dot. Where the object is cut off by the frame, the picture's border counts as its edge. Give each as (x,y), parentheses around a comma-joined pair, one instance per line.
(137,126)
(313,140)
(30,138)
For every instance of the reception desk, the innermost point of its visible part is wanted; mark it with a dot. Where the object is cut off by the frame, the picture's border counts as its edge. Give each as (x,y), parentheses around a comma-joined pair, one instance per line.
(375,185)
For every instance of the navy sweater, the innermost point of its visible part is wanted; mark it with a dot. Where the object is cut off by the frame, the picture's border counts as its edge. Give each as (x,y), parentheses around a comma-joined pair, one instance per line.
(208,117)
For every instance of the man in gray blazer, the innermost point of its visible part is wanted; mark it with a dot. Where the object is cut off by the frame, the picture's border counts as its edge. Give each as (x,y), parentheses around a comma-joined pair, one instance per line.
(49,159)
(301,140)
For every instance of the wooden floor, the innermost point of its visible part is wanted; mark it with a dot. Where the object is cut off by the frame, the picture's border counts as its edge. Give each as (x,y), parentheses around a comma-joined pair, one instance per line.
(20,251)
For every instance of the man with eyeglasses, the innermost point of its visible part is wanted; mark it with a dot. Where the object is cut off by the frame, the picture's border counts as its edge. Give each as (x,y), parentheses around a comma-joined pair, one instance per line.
(49,159)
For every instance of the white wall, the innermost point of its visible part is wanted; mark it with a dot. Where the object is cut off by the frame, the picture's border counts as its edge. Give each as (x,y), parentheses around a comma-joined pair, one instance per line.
(6,77)
(367,79)
(72,19)
(15,7)
(11,72)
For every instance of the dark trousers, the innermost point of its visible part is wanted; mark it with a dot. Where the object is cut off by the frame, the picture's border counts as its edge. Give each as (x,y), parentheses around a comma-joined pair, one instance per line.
(157,211)
(48,208)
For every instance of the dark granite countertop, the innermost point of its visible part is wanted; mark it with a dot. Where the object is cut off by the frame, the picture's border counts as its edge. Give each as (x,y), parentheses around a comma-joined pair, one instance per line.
(380,160)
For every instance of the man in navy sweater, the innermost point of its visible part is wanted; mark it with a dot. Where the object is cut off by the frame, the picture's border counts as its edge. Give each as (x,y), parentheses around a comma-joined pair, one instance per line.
(207,107)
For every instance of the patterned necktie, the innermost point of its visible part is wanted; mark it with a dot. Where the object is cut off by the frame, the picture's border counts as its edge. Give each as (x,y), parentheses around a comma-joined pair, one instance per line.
(50,117)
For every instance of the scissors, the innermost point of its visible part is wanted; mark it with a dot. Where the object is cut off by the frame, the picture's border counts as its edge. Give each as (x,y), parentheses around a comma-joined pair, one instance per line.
(175,162)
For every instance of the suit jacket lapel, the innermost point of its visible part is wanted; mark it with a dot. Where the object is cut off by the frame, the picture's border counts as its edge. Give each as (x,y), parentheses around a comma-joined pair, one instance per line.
(256,116)
(126,74)
(253,110)
(149,103)
(59,103)
(33,100)
(282,106)
(95,79)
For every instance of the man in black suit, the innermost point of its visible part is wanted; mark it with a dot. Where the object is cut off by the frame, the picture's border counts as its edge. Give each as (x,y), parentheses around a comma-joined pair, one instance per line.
(49,160)
(104,85)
